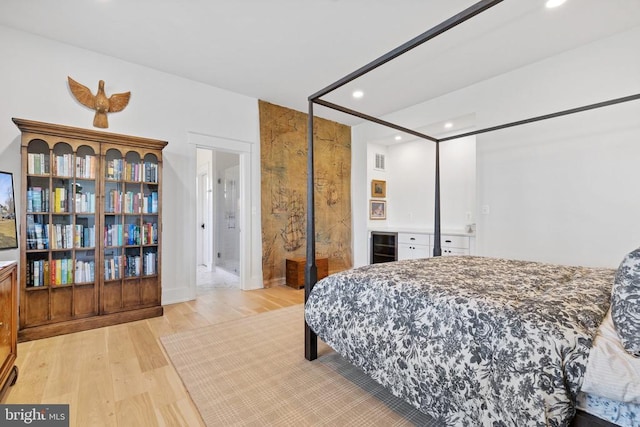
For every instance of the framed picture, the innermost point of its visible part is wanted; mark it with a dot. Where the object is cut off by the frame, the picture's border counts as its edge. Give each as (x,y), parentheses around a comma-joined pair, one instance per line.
(8,229)
(377,209)
(378,188)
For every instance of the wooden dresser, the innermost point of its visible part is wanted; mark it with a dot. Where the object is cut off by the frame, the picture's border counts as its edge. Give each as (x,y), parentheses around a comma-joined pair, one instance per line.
(8,325)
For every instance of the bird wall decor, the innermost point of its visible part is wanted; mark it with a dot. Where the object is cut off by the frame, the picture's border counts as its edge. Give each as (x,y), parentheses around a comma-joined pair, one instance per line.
(99,102)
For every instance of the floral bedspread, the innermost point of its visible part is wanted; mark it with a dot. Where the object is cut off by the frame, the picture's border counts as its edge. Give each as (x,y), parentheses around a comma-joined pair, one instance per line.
(471,341)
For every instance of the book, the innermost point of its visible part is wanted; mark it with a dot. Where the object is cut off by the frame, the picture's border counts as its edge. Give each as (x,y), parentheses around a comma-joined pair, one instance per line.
(154,202)
(39,236)
(46,274)
(36,273)
(57,272)
(60,200)
(36,195)
(62,271)
(69,270)
(78,237)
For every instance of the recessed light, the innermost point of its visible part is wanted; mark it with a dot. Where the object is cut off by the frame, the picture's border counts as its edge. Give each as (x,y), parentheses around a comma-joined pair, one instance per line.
(358,94)
(398,138)
(448,125)
(553,3)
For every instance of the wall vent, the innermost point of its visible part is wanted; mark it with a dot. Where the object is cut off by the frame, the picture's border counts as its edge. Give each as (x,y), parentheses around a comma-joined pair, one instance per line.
(379,162)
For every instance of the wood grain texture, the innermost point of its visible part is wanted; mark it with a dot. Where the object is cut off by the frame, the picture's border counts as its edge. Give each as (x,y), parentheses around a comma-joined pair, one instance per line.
(8,325)
(120,375)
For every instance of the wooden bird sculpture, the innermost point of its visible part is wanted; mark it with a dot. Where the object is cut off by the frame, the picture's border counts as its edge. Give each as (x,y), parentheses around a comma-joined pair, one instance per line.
(99,102)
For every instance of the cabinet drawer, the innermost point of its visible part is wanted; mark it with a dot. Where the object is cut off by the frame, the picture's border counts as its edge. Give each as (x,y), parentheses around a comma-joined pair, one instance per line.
(454,251)
(413,238)
(410,251)
(448,241)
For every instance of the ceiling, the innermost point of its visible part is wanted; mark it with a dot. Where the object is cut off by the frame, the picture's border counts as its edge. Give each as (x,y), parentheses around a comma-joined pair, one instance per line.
(282,51)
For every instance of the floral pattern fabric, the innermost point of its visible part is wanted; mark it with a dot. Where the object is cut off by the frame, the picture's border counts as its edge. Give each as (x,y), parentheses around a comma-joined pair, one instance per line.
(625,303)
(471,341)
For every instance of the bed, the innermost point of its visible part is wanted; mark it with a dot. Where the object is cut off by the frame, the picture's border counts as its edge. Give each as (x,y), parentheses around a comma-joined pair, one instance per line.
(469,340)
(474,340)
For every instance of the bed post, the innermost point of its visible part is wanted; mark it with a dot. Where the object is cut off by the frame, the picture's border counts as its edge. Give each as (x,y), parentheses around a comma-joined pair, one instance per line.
(310,270)
(437,249)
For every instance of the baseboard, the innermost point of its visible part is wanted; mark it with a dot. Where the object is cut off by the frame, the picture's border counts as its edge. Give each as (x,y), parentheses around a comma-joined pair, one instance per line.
(176,295)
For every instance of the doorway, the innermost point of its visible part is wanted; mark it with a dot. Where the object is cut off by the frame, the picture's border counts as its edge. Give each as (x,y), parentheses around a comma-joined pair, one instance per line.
(218,185)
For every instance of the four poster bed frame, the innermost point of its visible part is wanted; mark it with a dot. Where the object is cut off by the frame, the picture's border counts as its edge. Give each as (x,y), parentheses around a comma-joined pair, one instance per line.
(311,339)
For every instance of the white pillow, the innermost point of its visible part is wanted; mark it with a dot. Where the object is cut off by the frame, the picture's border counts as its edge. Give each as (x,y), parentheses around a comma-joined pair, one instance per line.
(611,371)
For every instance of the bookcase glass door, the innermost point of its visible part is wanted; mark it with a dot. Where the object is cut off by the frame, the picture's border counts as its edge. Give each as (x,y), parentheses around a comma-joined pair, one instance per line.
(60,225)
(112,234)
(150,191)
(130,230)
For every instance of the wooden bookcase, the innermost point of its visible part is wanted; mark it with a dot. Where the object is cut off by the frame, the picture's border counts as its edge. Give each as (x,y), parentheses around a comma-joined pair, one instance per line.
(90,229)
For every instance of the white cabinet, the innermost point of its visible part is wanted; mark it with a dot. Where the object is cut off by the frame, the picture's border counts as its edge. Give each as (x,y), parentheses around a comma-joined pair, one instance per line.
(454,245)
(413,245)
(418,244)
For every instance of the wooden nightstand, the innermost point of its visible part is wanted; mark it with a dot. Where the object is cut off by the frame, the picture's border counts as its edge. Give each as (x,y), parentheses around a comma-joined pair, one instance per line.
(295,271)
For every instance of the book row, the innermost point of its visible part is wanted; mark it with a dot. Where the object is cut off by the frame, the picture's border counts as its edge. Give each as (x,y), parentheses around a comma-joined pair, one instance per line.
(130,266)
(63,165)
(120,169)
(59,272)
(60,236)
(63,271)
(131,234)
(38,200)
(37,163)
(85,167)
(118,202)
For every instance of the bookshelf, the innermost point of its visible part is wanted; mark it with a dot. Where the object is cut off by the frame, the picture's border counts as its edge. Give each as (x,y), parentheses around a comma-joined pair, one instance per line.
(91,229)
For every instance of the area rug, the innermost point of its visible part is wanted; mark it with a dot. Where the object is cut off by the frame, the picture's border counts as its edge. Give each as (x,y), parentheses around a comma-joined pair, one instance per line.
(252,372)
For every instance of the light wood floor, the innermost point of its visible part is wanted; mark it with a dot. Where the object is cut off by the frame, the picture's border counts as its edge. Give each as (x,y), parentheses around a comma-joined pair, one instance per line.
(120,375)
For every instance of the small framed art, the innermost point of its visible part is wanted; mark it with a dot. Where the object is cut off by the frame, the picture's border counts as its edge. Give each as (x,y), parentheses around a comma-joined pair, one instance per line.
(8,228)
(378,188)
(377,209)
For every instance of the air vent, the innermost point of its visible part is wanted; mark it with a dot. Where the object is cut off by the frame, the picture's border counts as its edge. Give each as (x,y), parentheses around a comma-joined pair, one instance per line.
(379,162)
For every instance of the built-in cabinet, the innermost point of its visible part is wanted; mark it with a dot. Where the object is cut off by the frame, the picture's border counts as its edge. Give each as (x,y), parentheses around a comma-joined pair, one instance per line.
(413,245)
(391,246)
(90,230)
(454,244)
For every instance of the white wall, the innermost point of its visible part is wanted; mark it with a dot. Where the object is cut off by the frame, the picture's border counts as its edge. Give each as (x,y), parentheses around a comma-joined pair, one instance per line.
(411,184)
(377,174)
(33,85)
(563,190)
(410,178)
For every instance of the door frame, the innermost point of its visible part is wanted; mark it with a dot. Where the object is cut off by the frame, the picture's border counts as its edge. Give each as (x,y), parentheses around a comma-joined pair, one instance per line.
(244,151)
(205,245)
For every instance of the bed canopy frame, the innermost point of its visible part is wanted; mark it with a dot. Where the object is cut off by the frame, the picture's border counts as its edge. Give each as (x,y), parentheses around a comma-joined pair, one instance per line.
(311,272)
